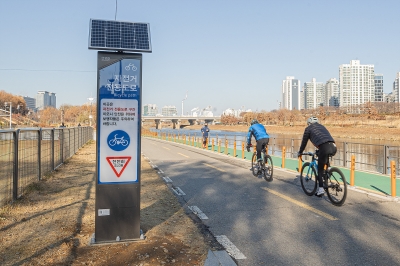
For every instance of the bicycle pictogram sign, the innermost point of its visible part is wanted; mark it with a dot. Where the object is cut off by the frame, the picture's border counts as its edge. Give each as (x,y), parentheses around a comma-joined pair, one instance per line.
(118,140)
(131,67)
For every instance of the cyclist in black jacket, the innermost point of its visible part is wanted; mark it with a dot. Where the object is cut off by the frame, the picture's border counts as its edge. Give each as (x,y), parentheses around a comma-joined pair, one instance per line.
(322,139)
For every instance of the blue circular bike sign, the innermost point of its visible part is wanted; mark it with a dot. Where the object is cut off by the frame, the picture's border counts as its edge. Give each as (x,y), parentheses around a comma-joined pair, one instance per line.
(118,140)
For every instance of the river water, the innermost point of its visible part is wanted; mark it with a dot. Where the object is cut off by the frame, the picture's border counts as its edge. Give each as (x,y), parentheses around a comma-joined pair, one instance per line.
(370,154)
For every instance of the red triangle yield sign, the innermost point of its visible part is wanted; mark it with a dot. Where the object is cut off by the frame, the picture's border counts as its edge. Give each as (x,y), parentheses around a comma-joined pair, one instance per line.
(118,163)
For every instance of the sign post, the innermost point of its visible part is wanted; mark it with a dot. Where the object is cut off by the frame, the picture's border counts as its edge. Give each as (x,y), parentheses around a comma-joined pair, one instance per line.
(118,146)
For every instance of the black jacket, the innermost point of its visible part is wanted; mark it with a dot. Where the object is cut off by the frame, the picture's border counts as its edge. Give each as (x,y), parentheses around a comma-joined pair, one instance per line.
(318,135)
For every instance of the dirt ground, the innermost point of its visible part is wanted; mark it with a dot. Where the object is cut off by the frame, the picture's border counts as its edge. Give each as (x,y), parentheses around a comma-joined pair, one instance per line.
(53,223)
(350,131)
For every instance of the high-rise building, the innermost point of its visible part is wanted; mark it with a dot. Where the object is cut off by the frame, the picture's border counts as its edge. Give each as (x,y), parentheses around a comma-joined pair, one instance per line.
(45,99)
(150,110)
(30,103)
(314,94)
(332,94)
(302,100)
(378,87)
(291,93)
(356,85)
(52,96)
(396,88)
(169,110)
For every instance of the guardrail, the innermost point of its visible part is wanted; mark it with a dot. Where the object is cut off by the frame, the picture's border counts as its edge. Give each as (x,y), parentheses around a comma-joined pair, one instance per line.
(27,154)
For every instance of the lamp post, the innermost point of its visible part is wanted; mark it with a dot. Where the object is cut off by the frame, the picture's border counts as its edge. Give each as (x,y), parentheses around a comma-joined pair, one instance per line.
(182,103)
(5,106)
(90,115)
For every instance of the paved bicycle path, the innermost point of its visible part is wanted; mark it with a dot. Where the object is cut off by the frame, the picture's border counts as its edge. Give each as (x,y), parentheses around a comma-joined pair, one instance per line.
(367,181)
(276,222)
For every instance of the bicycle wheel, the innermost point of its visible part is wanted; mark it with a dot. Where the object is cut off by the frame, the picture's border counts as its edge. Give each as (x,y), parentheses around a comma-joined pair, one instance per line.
(336,186)
(268,168)
(254,165)
(308,179)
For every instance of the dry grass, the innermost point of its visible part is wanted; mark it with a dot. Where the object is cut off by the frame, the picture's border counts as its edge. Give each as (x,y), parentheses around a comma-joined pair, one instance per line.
(53,223)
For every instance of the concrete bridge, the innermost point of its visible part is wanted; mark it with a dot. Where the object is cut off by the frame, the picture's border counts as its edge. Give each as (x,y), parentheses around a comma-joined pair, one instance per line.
(180,121)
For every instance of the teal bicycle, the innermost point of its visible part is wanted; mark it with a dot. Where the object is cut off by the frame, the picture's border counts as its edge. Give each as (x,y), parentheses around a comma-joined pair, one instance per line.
(335,183)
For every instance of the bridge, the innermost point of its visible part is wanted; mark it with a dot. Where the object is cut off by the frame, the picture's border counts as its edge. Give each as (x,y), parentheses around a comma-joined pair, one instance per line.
(179,121)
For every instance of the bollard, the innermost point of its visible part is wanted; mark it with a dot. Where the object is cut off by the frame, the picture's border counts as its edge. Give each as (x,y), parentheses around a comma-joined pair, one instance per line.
(212,144)
(219,146)
(234,148)
(352,169)
(226,147)
(393,177)
(193,141)
(242,150)
(283,156)
(254,148)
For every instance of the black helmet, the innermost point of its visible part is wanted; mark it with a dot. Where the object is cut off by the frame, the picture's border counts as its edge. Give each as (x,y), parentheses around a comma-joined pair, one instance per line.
(254,121)
(312,120)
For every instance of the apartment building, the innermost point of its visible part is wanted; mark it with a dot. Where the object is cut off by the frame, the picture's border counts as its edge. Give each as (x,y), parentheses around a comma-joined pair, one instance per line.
(356,85)
(291,93)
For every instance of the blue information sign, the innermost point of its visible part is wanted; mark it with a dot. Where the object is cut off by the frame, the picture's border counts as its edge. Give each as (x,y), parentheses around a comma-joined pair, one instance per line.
(119,121)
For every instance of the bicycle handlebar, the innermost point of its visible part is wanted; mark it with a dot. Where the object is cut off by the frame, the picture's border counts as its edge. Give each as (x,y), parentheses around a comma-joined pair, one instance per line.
(306,153)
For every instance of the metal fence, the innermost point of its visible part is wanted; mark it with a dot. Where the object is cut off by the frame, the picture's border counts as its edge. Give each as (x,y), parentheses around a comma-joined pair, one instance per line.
(27,154)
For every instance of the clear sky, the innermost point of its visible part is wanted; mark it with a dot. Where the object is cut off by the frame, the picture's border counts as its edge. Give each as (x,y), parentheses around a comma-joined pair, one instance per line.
(225,53)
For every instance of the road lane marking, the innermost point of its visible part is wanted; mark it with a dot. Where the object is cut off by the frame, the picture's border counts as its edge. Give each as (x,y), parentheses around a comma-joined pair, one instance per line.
(166,148)
(198,212)
(178,191)
(305,206)
(230,247)
(183,155)
(209,165)
(167,179)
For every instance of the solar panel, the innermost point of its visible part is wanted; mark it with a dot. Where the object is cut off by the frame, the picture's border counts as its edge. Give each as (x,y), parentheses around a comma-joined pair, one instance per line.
(119,36)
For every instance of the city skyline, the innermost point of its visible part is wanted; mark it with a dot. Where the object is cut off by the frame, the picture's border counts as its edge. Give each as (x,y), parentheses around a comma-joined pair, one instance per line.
(222,57)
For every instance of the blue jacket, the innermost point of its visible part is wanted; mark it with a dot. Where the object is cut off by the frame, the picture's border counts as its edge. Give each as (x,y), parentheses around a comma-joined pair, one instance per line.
(258,131)
(205,131)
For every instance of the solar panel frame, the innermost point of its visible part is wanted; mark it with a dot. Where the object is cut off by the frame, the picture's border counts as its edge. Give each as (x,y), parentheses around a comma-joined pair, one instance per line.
(119,36)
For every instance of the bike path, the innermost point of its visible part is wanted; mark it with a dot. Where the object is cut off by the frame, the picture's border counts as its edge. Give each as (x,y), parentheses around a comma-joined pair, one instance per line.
(368,181)
(276,222)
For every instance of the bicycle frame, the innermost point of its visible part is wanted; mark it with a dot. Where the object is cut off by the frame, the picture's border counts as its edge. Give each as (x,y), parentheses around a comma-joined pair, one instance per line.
(313,163)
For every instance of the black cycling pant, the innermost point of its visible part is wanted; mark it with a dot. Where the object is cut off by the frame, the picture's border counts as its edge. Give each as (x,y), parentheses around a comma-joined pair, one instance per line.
(325,150)
(260,144)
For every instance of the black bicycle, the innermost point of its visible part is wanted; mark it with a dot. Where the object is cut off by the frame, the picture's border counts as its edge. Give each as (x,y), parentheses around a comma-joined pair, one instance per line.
(334,181)
(264,167)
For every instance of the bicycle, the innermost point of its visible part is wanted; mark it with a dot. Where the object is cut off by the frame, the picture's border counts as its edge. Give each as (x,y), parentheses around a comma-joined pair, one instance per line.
(118,141)
(335,183)
(264,167)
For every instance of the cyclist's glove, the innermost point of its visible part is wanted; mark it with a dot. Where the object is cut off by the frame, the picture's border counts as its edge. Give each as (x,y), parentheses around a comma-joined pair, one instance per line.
(248,147)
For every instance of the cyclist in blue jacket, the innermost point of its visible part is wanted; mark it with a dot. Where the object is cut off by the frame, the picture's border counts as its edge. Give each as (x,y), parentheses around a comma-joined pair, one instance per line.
(260,134)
